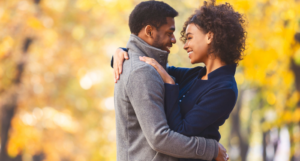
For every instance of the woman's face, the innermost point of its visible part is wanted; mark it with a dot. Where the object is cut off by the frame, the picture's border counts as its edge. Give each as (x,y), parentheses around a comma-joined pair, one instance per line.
(197,43)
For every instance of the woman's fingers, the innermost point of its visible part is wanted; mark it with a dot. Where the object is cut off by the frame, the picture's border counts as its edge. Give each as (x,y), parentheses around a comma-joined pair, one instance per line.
(126,55)
(119,57)
(117,70)
(120,66)
(116,73)
(150,61)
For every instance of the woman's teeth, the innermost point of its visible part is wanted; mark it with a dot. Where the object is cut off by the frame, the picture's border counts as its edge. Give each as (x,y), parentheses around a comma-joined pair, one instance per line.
(190,52)
(168,48)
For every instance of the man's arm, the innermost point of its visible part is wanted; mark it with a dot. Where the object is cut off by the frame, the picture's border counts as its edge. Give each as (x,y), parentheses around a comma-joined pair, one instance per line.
(145,90)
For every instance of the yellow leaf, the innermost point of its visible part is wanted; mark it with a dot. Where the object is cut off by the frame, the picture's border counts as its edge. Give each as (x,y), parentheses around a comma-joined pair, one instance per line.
(296,115)
(34,23)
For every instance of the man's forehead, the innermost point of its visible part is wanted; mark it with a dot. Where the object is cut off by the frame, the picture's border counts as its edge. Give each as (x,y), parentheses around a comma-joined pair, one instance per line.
(170,23)
(170,20)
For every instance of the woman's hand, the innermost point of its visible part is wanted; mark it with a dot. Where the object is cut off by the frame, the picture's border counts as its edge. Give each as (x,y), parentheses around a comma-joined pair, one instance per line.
(119,57)
(222,155)
(163,73)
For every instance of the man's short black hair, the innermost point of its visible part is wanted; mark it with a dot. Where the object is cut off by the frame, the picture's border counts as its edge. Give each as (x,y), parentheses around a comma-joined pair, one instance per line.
(152,13)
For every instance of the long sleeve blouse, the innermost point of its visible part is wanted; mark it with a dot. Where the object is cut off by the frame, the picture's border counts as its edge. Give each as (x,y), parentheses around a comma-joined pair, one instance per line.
(196,107)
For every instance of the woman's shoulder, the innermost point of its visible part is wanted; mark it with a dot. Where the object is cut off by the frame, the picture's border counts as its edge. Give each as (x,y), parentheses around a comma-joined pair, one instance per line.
(184,68)
(226,82)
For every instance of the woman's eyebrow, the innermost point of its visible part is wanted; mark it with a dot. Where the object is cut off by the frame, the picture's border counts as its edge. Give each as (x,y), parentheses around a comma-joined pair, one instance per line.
(187,34)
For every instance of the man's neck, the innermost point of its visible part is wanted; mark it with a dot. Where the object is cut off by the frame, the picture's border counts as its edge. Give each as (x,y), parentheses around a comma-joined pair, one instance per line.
(139,45)
(142,36)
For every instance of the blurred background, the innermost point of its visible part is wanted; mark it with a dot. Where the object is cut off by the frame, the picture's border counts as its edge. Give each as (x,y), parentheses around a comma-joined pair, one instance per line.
(56,83)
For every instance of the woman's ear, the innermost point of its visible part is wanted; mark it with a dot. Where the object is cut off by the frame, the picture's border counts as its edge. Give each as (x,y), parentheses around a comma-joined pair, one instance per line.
(210,36)
(149,31)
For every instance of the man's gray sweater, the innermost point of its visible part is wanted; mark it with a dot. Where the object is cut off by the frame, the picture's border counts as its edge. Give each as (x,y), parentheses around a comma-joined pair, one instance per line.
(142,130)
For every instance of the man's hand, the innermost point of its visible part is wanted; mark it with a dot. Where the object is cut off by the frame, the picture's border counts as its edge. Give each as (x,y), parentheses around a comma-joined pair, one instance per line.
(222,155)
(119,57)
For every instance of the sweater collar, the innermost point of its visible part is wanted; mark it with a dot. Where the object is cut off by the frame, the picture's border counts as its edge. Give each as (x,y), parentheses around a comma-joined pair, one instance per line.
(222,71)
(141,48)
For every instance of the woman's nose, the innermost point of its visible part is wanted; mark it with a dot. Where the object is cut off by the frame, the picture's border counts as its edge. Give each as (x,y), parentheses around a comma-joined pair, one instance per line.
(186,45)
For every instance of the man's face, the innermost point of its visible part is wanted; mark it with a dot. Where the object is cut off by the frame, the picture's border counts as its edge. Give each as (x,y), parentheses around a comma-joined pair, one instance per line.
(164,38)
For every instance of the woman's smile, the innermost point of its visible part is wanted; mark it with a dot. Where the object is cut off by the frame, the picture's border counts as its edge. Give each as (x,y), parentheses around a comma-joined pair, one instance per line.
(189,53)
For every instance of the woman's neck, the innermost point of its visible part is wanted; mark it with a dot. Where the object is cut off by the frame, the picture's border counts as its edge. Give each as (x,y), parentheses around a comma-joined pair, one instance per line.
(211,64)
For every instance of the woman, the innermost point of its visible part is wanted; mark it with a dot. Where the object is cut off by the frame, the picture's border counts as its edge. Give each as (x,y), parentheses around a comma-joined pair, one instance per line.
(201,99)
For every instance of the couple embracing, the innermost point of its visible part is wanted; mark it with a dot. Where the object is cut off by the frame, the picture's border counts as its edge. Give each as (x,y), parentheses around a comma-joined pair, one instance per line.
(168,113)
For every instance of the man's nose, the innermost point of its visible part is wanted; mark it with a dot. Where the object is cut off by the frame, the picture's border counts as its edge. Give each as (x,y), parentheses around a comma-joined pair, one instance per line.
(173,39)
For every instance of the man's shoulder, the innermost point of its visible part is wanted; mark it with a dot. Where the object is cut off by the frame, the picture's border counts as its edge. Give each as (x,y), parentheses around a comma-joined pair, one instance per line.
(143,70)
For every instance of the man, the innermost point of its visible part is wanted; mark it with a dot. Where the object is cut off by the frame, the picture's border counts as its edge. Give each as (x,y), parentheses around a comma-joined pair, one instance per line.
(142,130)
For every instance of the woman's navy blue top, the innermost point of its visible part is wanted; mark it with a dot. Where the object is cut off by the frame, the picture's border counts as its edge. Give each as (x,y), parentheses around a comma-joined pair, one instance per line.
(196,107)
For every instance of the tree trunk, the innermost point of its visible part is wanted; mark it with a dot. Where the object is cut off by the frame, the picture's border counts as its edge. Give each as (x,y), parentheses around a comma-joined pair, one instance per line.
(10,103)
(236,128)
(296,70)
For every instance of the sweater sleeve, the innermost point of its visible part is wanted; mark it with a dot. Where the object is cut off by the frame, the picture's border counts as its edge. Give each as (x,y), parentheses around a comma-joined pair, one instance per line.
(212,106)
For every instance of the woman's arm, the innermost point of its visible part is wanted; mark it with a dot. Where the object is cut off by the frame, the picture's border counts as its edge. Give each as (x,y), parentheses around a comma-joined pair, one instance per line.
(214,105)
(177,72)
(122,54)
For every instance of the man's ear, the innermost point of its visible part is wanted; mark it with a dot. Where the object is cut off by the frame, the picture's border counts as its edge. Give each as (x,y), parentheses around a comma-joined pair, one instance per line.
(210,36)
(149,31)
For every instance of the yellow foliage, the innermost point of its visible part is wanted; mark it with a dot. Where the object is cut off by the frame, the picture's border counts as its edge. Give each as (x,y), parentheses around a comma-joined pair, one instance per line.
(78,32)
(73,43)
(297,57)
(239,77)
(34,23)
(296,115)
(287,116)
(5,45)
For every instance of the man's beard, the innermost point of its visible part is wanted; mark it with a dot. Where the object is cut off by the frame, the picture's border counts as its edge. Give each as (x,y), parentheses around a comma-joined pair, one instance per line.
(157,44)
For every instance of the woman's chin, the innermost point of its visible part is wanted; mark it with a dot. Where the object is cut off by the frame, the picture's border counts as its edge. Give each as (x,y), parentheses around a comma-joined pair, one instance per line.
(192,61)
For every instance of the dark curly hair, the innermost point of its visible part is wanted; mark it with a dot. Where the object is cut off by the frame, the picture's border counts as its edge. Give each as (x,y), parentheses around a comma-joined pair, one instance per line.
(152,13)
(227,26)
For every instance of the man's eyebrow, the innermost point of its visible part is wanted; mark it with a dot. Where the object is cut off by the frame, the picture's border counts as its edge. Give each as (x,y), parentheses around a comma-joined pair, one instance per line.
(172,28)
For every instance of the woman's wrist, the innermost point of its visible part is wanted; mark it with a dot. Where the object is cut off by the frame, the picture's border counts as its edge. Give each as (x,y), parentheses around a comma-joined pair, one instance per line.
(169,80)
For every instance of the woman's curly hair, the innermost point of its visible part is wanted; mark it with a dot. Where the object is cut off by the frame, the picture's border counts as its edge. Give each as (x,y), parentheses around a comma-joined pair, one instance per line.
(227,26)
